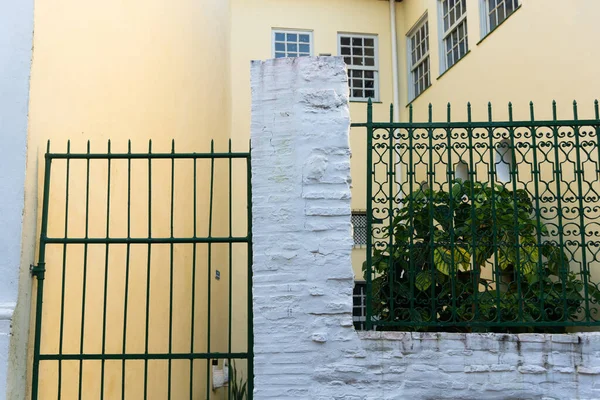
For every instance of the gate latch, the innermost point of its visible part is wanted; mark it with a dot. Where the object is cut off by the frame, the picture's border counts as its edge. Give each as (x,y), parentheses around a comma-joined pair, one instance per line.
(38,270)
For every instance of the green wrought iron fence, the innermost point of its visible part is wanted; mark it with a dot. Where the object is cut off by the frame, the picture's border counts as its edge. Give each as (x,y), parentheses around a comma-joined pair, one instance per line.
(144,275)
(483,225)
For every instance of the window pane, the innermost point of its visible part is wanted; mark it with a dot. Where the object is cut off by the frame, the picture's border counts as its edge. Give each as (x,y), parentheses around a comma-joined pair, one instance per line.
(292,37)
(305,38)
(280,46)
(358,73)
(369,42)
(292,47)
(357,41)
(279,55)
(357,61)
(345,41)
(292,54)
(357,83)
(304,54)
(305,48)
(348,60)
(345,51)
(370,93)
(358,51)
(370,62)
(369,51)
(369,74)
(369,84)
(357,93)
(279,36)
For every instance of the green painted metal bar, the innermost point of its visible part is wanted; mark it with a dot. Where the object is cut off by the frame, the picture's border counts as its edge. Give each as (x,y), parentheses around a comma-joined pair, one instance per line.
(411,212)
(450,180)
(230,259)
(85,258)
(250,308)
(370,177)
(105,294)
(431,180)
(514,173)
(536,180)
(559,211)
(390,178)
(209,267)
(172,212)
(64,274)
(194,251)
(127,261)
(145,156)
(463,125)
(143,356)
(149,240)
(39,272)
(582,225)
(148,272)
(476,268)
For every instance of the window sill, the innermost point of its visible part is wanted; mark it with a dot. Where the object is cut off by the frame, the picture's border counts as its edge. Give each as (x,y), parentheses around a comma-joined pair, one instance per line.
(419,95)
(365,101)
(499,25)
(446,71)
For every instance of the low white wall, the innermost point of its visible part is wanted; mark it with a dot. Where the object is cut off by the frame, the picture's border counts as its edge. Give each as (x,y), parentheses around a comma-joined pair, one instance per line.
(305,343)
(16,34)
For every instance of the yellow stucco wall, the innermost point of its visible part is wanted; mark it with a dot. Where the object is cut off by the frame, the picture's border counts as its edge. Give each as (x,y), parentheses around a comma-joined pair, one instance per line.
(134,70)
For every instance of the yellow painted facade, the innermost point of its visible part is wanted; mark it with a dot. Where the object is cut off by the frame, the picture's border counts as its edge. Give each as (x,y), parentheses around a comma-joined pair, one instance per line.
(181,70)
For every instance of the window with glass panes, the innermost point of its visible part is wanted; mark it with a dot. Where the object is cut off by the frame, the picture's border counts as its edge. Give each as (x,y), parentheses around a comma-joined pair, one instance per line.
(418,47)
(359,305)
(497,11)
(454,38)
(291,43)
(360,55)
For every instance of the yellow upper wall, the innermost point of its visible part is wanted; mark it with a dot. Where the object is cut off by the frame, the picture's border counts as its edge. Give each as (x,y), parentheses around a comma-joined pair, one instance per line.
(252,24)
(544,51)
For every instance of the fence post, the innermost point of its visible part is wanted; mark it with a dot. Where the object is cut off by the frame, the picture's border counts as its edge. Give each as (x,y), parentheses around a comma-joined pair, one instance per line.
(302,275)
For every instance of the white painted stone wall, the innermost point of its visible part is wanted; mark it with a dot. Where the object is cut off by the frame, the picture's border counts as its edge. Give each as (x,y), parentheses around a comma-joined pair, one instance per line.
(305,343)
(16,34)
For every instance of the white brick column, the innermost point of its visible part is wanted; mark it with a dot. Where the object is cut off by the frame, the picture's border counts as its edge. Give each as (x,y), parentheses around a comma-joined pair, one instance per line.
(16,34)
(301,221)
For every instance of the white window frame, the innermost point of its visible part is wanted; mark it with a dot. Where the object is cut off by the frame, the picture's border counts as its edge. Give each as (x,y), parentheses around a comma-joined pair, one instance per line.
(444,34)
(485,15)
(296,31)
(411,84)
(374,68)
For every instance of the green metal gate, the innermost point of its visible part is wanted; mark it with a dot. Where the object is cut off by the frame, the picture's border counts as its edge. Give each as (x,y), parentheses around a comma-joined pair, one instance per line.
(144,276)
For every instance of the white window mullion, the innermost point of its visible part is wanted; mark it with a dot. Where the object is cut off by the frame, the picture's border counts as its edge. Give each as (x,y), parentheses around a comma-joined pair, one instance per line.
(360,53)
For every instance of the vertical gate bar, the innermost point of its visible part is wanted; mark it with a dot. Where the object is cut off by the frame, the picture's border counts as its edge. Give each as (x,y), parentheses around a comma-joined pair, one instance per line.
(411,209)
(430,177)
(514,175)
(536,181)
(106,251)
(209,266)
(579,174)
(64,270)
(250,311)
(171,270)
(149,263)
(492,176)
(40,278)
(230,266)
(126,269)
(471,176)
(450,175)
(85,254)
(561,243)
(390,173)
(193,319)
(369,322)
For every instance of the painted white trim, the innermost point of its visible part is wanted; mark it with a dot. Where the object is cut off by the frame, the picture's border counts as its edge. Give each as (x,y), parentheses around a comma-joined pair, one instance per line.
(297,31)
(374,68)
(395,68)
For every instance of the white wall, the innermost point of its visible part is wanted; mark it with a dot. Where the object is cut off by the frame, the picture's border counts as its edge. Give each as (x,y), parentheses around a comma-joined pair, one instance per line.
(305,343)
(16,31)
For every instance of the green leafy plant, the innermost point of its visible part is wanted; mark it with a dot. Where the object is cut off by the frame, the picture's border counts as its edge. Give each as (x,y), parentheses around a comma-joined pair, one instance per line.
(442,243)
(239,388)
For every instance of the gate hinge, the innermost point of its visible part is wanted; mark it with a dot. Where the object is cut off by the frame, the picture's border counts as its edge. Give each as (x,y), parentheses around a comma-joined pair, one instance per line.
(38,270)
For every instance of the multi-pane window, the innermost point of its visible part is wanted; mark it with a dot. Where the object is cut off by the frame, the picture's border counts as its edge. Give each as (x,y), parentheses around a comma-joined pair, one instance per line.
(360,54)
(418,47)
(292,43)
(497,11)
(359,305)
(359,226)
(454,28)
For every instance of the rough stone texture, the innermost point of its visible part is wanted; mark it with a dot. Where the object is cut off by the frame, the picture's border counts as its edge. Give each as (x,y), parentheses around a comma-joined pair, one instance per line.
(305,344)
(16,33)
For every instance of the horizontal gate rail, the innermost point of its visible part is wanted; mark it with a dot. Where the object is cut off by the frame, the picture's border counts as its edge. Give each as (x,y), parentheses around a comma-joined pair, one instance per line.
(154,240)
(144,356)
